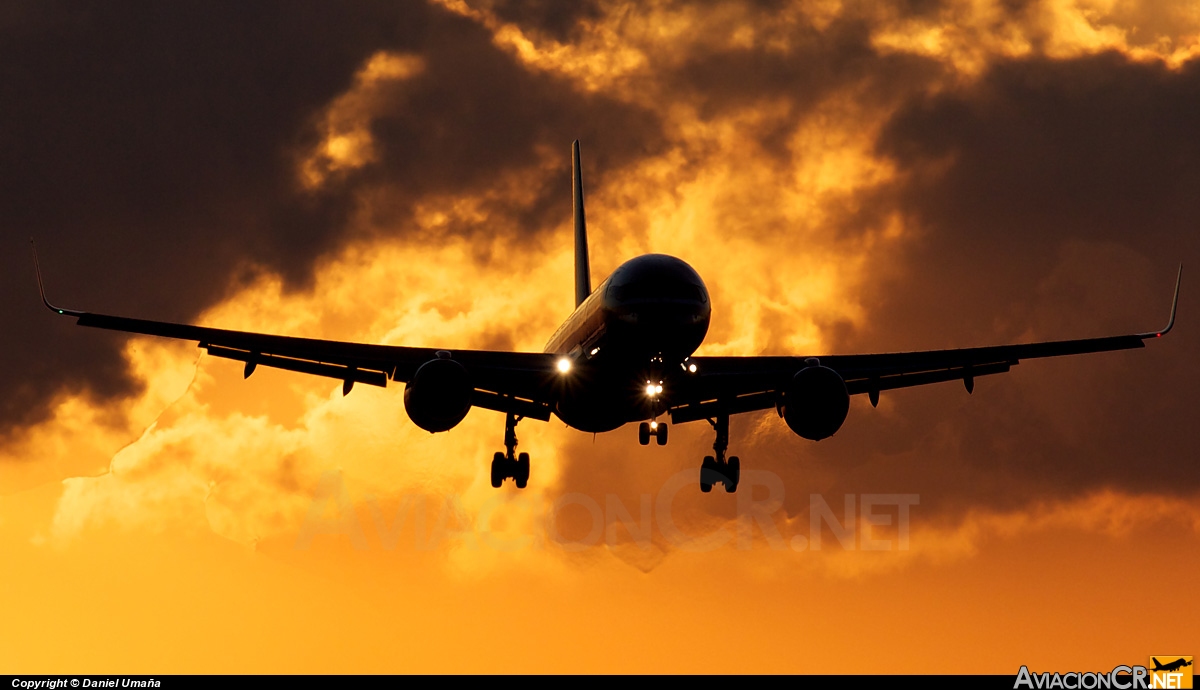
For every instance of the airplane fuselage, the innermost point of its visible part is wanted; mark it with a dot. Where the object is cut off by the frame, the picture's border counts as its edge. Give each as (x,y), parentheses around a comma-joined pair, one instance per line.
(636,330)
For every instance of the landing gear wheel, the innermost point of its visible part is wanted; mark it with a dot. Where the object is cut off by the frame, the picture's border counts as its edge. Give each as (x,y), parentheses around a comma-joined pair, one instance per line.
(510,465)
(717,469)
(733,474)
(708,474)
(521,471)
(644,433)
(498,473)
(660,434)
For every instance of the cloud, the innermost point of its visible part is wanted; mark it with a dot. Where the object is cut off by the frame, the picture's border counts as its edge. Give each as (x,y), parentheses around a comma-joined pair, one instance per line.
(846,179)
(157,153)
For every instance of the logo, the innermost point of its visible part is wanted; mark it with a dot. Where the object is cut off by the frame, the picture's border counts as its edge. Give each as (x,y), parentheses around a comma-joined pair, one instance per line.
(1167,671)
(1163,672)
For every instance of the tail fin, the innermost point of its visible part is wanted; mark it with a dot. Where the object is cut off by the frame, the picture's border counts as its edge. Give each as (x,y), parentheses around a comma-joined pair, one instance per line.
(583,275)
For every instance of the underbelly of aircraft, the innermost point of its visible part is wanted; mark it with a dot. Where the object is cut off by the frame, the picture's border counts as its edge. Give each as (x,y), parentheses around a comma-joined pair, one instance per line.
(604,404)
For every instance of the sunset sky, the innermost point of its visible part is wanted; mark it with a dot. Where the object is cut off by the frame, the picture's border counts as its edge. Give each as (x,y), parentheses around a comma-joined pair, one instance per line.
(846,176)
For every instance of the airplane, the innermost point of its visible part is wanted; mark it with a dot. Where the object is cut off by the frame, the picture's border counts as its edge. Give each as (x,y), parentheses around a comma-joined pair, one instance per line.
(625,355)
(1173,666)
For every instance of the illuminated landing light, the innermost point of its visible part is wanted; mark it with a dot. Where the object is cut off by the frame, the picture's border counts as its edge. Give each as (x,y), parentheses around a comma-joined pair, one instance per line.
(653,425)
(564,365)
(658,389)
(692,368)
(650,389)
(594,351)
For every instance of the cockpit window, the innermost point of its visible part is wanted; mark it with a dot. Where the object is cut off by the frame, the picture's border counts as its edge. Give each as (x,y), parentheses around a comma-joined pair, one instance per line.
(657,287)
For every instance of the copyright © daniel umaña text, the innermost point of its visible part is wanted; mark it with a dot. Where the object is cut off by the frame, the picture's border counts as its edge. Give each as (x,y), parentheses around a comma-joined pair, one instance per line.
(56,683)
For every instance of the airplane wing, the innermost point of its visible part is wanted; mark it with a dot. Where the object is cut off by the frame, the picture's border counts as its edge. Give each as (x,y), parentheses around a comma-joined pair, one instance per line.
(522,382)
(731,385)
(504,381)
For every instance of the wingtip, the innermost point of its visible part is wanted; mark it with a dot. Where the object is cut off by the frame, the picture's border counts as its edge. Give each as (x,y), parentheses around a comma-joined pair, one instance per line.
(37,267)
(1174,309)
(1175,301)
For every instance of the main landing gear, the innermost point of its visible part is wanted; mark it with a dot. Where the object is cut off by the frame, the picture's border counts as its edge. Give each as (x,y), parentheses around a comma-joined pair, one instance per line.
(655,429)
(509,465)
(718,470)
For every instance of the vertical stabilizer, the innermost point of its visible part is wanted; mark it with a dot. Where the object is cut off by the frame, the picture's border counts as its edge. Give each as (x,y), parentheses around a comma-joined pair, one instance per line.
(583,275)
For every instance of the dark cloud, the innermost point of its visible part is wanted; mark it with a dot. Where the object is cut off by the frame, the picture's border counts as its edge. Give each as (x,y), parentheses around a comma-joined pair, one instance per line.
(145,146)
(820,62)
(556,20)
(474,113)
(153,150)
(1051,199)
(1041,150)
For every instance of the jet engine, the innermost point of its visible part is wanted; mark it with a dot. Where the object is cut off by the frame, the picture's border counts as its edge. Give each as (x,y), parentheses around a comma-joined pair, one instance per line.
(815,403)
(438,396)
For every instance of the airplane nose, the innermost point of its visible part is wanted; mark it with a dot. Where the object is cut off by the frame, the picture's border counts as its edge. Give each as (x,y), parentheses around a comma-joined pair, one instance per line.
(662,315)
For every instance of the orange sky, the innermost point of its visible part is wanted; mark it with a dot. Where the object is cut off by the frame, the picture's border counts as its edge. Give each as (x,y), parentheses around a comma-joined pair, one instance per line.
(181,523)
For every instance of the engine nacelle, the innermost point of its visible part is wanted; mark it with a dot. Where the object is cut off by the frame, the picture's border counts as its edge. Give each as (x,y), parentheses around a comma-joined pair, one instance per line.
(439,395)
(815,403)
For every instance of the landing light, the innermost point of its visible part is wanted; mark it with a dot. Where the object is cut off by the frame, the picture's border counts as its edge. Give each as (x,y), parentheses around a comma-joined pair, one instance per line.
(653,425)
(649,389)
(658,389)
(564,365)
(692,368)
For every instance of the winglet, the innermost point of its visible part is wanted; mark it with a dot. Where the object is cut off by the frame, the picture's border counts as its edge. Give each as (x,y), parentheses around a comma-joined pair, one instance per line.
(1174,306)
(41,288)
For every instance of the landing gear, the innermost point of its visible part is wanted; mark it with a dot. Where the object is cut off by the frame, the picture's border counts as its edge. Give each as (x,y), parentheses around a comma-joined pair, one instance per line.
(733,472)
(520,473)
(718,470)
(655,429)
(499,469)
(509,465)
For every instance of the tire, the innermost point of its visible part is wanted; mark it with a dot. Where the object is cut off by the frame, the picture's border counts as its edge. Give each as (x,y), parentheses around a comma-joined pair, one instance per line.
(661,435)
(708,474)
(644,433)
(521,471)
(733,473)
(498,470)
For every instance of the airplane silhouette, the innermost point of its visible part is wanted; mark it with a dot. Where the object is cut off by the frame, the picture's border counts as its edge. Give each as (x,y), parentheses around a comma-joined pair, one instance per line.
(624,355)
(1173,666)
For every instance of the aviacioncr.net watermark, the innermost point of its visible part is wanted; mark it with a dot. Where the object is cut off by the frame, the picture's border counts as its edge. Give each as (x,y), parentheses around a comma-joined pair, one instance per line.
(578,521)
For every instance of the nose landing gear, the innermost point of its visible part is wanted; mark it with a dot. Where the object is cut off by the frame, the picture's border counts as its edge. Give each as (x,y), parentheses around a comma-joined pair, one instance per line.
(655,429)
(509,465)
(718,470)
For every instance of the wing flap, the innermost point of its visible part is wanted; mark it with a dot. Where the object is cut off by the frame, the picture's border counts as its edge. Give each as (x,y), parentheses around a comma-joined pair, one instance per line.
(734,405)
(743,384)
(524,374)
(885,383)
(733,377)
(529,409)
(303,366)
